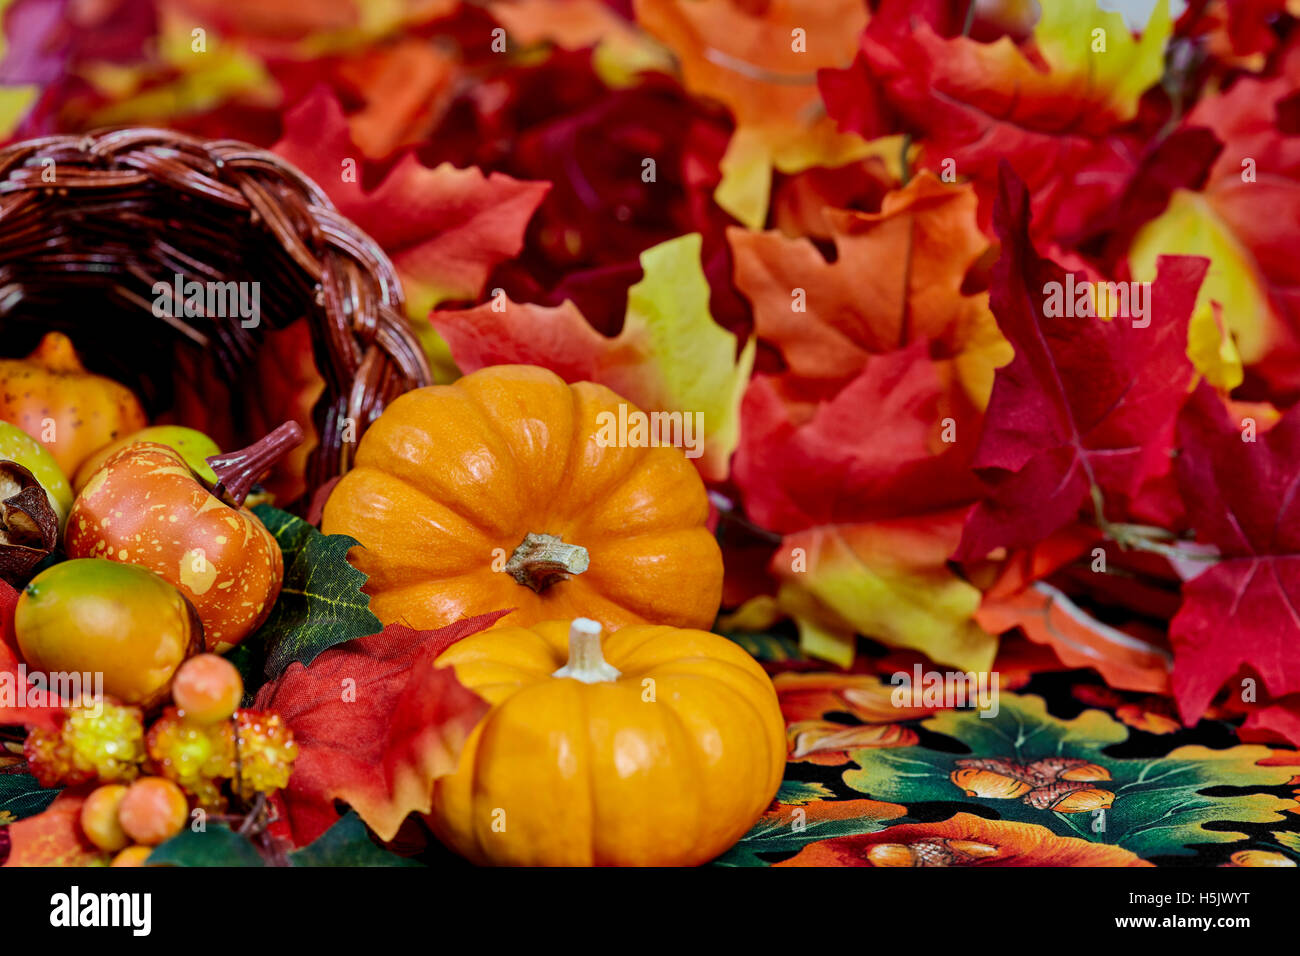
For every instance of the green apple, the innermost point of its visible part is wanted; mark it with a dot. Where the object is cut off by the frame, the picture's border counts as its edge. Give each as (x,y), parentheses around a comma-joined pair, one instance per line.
(17,445)
(194,446)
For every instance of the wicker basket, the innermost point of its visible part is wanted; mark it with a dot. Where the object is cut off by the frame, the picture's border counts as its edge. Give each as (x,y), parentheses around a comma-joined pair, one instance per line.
(84,239)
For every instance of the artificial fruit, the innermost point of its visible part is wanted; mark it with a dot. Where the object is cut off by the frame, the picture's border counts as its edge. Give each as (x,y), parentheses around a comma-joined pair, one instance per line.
(72,412)
(657,746)
(146,506)
(17,446)
(495,492)
(192,445)
(100,617)
(29,527)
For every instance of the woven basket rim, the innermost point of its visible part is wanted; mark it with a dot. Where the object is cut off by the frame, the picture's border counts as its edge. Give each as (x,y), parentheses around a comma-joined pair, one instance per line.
(167,180)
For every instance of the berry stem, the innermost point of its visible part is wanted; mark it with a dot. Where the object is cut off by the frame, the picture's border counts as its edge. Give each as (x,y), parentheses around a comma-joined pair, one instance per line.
(238,471)
(253,822)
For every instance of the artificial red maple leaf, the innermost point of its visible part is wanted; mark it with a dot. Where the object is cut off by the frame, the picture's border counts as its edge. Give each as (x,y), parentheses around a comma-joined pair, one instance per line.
(378,742)
(1051,107)
(1087,406)
(556,120)
(1279,720)
(1248,24)
(444,228)
(1243,610)
(798,467)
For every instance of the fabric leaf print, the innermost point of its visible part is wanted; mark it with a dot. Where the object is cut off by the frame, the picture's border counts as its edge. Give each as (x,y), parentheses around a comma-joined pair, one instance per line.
(1027,765)
(787,828)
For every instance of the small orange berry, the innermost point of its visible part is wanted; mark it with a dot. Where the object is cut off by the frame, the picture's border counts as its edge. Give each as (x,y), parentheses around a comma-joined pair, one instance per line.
(132,856)
(153,810)
(99,818)
(207,688)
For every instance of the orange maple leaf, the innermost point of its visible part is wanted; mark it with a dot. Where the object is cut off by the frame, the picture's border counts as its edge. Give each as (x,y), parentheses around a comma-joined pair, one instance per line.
(897,278)
(53,837)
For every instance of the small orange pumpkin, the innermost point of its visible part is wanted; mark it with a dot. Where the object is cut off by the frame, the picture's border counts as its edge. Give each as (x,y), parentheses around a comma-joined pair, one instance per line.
(147,507)
(658,747)
(494,492)
(72,412)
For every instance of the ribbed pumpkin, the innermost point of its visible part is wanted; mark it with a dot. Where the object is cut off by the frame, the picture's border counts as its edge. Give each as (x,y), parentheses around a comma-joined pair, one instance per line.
(494,492)
(657,747)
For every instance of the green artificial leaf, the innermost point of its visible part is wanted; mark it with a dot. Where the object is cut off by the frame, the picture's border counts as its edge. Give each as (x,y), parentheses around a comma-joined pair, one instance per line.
(321,603)
(21,796)
(347,843)
(217,845)
(1159,805)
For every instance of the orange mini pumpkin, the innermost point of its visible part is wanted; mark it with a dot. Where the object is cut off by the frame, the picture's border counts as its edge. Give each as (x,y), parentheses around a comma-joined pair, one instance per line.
(72,412)
(147,507)
(495,492)
(654,746)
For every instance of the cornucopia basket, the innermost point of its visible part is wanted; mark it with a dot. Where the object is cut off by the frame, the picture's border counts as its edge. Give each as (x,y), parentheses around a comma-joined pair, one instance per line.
(96,230)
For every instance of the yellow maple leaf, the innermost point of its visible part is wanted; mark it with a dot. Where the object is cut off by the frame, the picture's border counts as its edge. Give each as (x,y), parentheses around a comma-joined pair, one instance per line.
(1091,52)
(1190,226)
(886,580)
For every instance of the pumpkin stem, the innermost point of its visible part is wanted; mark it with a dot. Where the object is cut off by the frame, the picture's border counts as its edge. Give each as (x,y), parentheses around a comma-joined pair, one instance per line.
(542,559)
(586,659)
(238,471)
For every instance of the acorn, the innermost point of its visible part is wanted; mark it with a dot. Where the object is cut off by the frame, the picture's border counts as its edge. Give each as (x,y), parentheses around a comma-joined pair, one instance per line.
(1086,772)
(892,854)
(1083,801)
(931,851)
(988,784)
